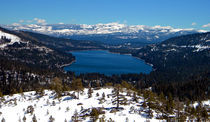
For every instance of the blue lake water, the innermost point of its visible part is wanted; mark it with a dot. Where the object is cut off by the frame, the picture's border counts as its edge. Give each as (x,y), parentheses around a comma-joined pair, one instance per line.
(107,63)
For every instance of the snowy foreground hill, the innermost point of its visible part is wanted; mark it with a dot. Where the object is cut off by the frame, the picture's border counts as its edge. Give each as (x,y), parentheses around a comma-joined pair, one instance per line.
(44,107)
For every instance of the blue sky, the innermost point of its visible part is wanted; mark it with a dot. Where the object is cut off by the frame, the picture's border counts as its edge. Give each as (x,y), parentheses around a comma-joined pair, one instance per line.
(175,13)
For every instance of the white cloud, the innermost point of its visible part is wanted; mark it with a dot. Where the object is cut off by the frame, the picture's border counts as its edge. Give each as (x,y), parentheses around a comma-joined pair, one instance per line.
(206,26)
(194,23)
(40,21)
(61,23)
(16,24)
(21,21)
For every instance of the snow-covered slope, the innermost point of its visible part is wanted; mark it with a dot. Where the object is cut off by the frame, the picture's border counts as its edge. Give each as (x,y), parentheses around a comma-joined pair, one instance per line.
(107,32)
(45,107)
(14,108)
(11,37)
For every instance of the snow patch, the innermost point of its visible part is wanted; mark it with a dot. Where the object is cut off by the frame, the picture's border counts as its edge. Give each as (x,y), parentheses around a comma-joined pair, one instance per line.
(13,39)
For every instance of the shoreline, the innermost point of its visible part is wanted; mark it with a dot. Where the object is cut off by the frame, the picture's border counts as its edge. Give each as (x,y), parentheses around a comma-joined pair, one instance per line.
(67,64)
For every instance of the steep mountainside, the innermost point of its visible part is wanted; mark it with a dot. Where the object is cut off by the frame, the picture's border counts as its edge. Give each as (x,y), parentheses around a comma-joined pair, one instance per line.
(111,33)
(183,55)
(20,47)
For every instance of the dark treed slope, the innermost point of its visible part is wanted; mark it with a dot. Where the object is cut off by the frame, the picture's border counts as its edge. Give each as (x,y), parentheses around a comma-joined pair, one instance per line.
(32,52)
(179,57)
(181,66)
(61,44)
(34,60)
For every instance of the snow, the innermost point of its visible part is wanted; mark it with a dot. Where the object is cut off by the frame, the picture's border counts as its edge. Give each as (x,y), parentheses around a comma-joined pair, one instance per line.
(207,102)
(109,28)
(200,48)
(9,36)
(44,108)
(171,50)
(197,47)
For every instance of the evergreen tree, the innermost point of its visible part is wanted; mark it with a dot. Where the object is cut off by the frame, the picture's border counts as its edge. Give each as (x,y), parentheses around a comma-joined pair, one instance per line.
(162,97)
(2,120)
(34,119)
(90,91)
(94,114)
(24,119)
(57,86)
(170,104)
(126,85)
(77,85)
(198,111)
(135,98)
(51,119)
(103,95)
(118,98)
(179,107)
(75,117)
(1,95)
(204,114)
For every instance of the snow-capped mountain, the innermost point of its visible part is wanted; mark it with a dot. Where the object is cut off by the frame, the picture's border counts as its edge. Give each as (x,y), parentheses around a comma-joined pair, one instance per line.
(111,32)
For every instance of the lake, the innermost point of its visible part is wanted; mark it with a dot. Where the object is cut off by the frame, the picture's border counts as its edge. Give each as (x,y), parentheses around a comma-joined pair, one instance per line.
(107,63)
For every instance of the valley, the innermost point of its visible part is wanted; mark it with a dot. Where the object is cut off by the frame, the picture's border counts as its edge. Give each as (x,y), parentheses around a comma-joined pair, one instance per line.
(35,62)
(105,61)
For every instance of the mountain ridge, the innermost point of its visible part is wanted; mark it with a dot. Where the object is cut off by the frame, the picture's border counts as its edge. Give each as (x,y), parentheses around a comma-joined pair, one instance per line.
(182,55)
(107,33)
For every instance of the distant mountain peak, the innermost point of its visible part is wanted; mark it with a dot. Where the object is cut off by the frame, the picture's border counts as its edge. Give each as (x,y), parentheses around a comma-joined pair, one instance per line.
(107,32)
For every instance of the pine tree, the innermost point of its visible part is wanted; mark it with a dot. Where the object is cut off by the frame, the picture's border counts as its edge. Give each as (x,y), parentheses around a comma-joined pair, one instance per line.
(118,98)
(90,91)
(162,97)
(178,106)
(2,120)
(1,95)
(65,120)
(170,104)
(150,113)
(57,86)
(24,119)
(126,85)
(51,119)
(102,119)
(34,119)
(75,117)
(204,114)
(135,98)
(103,95)
(102,99)
(97,94)
(77,85)
(94,114)
(198,111)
